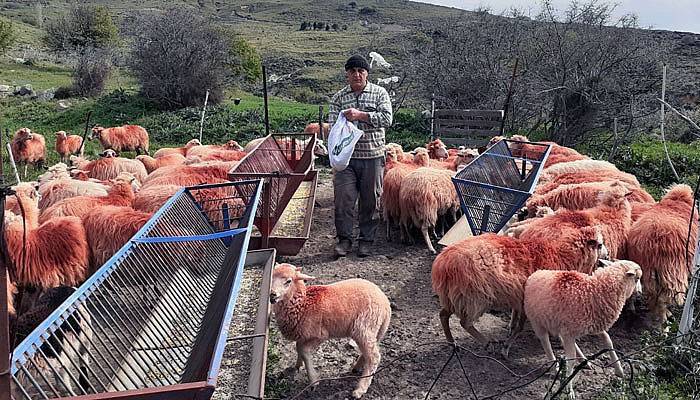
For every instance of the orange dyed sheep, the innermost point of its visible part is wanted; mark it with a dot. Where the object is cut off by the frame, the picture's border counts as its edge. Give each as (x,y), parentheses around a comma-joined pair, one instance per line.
(581,196)
(586,177)
(657,241)
(120,194)
(122,138)
(572,304)
(353,308)
(109,166)
(177,150)
(108,228)
(393,176)
(47,255)
(152,197)
(67,144)
(151,164)
(427,194)
(613,214)
(489,271)
(28,148)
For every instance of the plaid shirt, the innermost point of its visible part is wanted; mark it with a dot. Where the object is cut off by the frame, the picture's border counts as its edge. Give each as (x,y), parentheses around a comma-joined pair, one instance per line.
(374,100)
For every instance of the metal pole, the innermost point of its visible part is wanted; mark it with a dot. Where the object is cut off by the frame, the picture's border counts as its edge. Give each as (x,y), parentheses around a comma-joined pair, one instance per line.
(508,96)
(267,118)
(432,117)
(663,115)
(87,128)
(320,122)
(201,123)
(5,354)
(12,162)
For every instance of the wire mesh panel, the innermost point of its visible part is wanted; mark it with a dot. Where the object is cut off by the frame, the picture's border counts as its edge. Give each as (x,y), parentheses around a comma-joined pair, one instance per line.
(154,318)
(497,183)
(284,162)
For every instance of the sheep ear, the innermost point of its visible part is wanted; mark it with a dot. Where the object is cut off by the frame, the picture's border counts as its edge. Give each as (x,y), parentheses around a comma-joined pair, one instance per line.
(631,272)
(606,263)
(305,277)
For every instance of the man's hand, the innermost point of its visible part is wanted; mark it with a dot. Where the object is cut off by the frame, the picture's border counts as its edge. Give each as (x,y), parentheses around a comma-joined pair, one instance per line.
(353,114)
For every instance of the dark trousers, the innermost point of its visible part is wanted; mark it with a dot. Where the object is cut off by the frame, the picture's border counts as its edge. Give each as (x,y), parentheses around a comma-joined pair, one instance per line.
(363,177)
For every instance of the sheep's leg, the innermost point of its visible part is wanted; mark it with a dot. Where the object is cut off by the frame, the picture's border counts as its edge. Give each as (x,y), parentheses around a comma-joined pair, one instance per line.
(304,353)
(469,327)
(357,367)
(615,360)
(371,357)
(546,345)
(445,321)
(515,328)
(426,237)
(570,351)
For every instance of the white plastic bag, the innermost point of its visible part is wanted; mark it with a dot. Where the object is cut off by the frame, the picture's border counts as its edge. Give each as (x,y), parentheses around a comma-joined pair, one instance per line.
(341,142)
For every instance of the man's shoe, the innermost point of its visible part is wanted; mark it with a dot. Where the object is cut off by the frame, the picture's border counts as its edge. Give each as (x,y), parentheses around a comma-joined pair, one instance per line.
(342,248)
(363,250)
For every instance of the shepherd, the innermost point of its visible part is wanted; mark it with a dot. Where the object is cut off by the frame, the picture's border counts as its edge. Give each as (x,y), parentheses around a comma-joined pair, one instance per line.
(368,106)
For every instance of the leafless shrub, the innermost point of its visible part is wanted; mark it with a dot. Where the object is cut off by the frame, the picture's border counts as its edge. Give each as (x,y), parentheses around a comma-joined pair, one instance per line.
(177,57)
(91,73)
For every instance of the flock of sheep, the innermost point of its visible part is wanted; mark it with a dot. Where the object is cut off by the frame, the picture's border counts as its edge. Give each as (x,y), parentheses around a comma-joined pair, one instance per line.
(544,269)
(63,227)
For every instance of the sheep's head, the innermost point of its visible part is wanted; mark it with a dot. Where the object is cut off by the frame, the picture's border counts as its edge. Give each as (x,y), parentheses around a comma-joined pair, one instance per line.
(519,138)
(396,149)
(437,148)
(192,143)
(593,246)
(320,149)
(128,178)
(495,140)
(615,194)
(632,274)
(61,134)
(96,132)
(421,157)
(109,153)
(233,145)
(284,277)
(28,189)
(466,156)
(24,134)
(79,174)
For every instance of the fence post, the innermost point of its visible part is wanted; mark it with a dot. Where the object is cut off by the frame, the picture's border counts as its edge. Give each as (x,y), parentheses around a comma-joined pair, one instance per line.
(201,122)
(432,117)
(687,318)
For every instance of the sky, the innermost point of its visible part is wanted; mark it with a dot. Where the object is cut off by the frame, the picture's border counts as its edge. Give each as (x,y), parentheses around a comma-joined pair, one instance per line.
(675,15)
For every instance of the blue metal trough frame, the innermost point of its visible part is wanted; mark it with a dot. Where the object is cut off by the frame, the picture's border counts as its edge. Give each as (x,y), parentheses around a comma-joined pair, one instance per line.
(152,322)
(496,184)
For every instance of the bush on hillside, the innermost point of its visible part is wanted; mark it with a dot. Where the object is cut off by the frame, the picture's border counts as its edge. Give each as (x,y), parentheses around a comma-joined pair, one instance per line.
(7,36)
(84,27)
(177,57)
(91,73)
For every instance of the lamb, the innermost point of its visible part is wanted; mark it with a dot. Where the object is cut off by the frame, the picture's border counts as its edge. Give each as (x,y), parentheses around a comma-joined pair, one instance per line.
(425,195)
(108,228)
(120,194)
(581,196)
(65,355)
(177,150)
(657,241)
(109,166)
(67,144)
(354,308)
(572,304)
(122,138)
(488,271)
(151,164)
(613,214)
(28,148)
(47,255)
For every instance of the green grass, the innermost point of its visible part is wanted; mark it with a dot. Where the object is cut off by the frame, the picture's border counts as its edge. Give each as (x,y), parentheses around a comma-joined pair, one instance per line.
(41,77)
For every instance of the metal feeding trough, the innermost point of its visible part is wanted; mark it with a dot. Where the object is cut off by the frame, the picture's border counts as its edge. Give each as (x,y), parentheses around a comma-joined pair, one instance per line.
(493,187)
(285,163)
(152,322)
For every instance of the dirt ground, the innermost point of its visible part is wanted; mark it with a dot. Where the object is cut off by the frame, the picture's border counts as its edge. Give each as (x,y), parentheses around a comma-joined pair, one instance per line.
(414,349)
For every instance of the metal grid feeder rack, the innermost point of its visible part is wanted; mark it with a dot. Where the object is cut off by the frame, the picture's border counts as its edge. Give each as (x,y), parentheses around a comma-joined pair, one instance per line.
(493,187)
(285,162)
(152,322)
